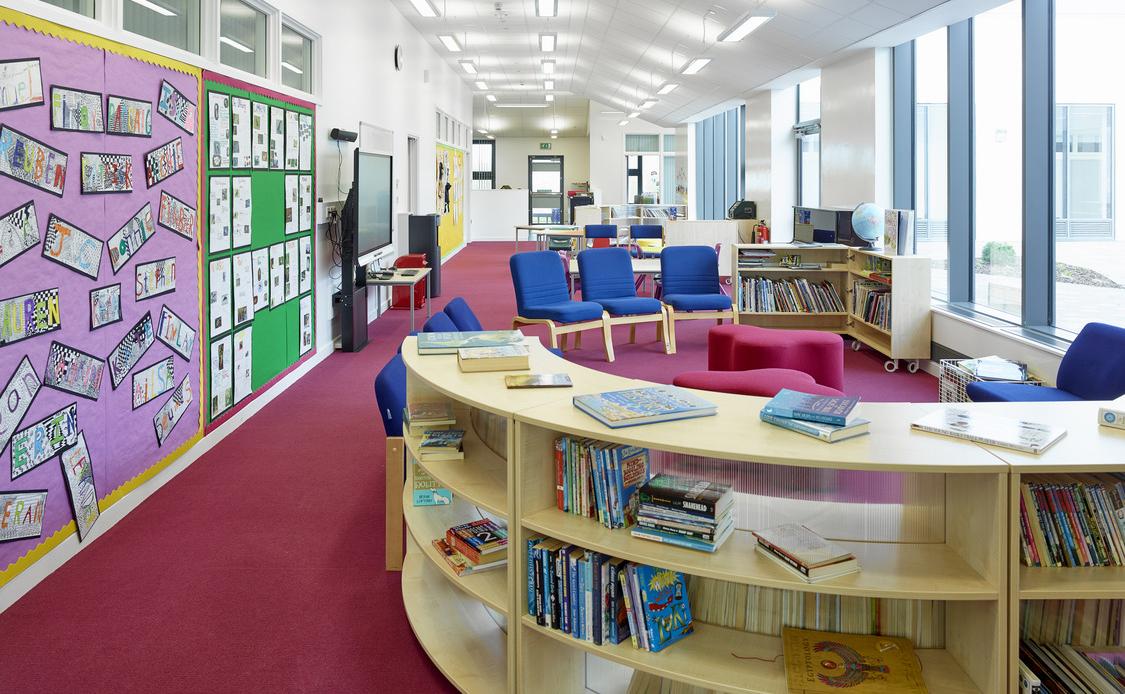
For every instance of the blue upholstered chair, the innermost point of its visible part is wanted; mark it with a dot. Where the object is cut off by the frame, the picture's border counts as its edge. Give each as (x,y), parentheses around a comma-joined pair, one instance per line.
(440,323)
(691,289)
(607,279)
(600,231)
(390,395)
(651,234)
(1092,369)
(542,298)
(462,316)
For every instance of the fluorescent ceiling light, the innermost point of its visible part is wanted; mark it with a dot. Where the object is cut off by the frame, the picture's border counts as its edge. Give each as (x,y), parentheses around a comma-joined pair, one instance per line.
(550,97)
(624,122)
(648,104)
(468,66)
(546,8)
(158,9)
(634,114)
(425,8)
(482,131)
(548,67)
(483,86)
(695,66)
(491,97)
(744,26)
(532,105)
(492,137)
(667,89)
(554,131)
(547,42)
(549,85)
(613,113)
(554,137)
(450,42)
(235,45)
(292,68)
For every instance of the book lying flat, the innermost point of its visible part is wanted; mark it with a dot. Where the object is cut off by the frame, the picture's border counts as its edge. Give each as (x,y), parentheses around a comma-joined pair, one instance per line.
(814,575)
(1113,415)
(438,445)
(824,432)
(821,661)
(449,343)
(502,358)
(826,409)
(626,408)
(1007,432)
(538,381)
(802,544)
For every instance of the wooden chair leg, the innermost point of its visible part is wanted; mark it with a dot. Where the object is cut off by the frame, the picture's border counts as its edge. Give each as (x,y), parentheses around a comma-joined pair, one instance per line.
(632,333)
(671,330)
(553,335)
(578,340)
(607,334)
(662,331)
(562,341)
(395,480)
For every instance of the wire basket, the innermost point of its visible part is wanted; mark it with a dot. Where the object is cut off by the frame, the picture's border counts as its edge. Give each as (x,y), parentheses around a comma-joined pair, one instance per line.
(953,379)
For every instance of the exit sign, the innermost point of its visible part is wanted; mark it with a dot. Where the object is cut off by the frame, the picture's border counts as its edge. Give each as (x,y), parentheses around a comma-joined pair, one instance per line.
(544,145)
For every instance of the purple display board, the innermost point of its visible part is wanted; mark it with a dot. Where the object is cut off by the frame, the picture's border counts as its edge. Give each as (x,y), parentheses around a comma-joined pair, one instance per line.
(121,440)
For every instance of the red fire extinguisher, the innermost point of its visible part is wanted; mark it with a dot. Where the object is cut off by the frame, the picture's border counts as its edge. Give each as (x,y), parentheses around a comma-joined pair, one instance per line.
(762,232)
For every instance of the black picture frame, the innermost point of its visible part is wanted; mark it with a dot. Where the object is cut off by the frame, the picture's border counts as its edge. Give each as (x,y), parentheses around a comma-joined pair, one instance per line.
(157,149)
(82,179)
(119,315)
(35,215)
(43,242)
(37,423)
(101,105)
(58,326)
(113,381)
(50,351)
(160,321)
(42,90)
(151,107)
(44,145)
(159,207)
(44,492)
(136,372)
(182,96)
(137,269)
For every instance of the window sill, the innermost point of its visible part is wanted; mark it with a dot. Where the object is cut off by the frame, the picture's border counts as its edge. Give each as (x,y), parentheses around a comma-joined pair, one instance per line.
(1045,338)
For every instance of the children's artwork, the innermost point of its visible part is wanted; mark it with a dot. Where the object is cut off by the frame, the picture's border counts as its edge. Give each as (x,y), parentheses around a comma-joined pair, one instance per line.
(19,232)
(153,381)
(222,371)
(79,474)
(219,210)
(277,275)
(21,83)
(23,510)
(105,306)
(155,278)
(218,130)
(16,399)
(175,332)
(243,363)
(219,284)
(306,323)
(243,288)
(292,202)
(106,173)
(38,443)
(170,413)
(176,107)
(240,133)
(292,260)
(73,371)
(243,205)
(260,146)
(30,161)
(304,216)
(261,263)
(164,161)
(129,351)
(29,315)
(292,140)
(68,245)
(77,110)
(277,137)
(306,129)
(125,116)
(128,239)
(176,215)
(305,267)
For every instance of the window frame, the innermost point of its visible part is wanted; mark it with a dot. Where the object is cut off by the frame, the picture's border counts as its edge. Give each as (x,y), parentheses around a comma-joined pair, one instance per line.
(490,175)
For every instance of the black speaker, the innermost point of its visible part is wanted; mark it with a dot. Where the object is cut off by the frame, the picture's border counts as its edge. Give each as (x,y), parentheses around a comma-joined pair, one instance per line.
(422,234)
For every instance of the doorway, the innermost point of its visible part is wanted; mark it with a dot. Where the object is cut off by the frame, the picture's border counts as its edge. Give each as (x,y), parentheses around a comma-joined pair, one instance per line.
(412,174)
(545,190)
(642,178)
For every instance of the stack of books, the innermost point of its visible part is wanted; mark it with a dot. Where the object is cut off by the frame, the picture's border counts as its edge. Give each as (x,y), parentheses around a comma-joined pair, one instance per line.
(755,257)
(1061,668)
(793,295)
(679,511)
(420,417)
(449,343)
(1113,415)
(442,444)
(805,554)
(599,599)
(1080,622)
(599,480)
(626,408)
(1073,521)
(871,301)
(823,417)
(502,358)
(483,544)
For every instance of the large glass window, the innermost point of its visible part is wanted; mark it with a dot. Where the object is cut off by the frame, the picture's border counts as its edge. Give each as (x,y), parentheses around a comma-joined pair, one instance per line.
(1089,256)
(808,100)
(174,22)
(484,164)
(296,59)
(931,154)
(85,7)
(998,159)
(242,37)
(808,142)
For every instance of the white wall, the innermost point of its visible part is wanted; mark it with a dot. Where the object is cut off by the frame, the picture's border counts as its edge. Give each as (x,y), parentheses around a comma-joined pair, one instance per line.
(496,214)
(512,154)
(607,151)
(771,158)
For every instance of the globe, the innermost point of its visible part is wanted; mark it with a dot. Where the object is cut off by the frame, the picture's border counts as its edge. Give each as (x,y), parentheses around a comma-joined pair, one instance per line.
(868,221)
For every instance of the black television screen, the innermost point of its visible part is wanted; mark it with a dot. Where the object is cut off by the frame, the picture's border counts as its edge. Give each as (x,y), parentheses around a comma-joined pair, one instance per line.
(372,185)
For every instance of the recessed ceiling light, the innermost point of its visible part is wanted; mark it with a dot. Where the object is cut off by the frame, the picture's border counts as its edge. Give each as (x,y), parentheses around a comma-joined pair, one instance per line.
(550,97)
(424,8)
(468,66)
(235,44)
(539,104)
(634,114)
(695,66)
(546,8)
(613,113)
(158,9)
(450,42)
(667,89)
(554,137)
(482,131)
(492,137)
(491,97)
(292,68)
(483,86)
(744,26)
(549,85)
(547,42)
(554,131)
(648,104)
(624,122)
(548,67)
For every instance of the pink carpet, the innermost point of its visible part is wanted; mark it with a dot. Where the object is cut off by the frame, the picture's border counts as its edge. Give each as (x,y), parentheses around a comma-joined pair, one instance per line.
(260,567)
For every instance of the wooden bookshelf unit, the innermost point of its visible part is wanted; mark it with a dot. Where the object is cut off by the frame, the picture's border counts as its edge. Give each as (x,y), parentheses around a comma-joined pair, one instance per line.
(905,336)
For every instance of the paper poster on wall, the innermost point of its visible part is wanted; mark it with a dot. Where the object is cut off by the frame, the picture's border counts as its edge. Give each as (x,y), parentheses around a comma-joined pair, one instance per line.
(105,306)
(176,215)
(26,515)
(19,232)
(67,245)
(240,133)
(155,278)
(153,381)
(243,288)
(43,440)
(79,474)
(176,107)
(170,413)
(219,212)
(304,218)
(129,351)
(450,189)
(130,117)
(292,140)
(16,398)
(218,130)
(306,324)
(219,284)
(306,128)
(104,172)
(175,332)
(277,138)
(77,110)
(260,147)
(128,239)
(21,83)
(222,371)
(73,371)
(277,275)
(261,263)
(292,202)
(292,262)
(243,206)
(164,161)
(29,161)
(243,363)
(29,315)
(305,267)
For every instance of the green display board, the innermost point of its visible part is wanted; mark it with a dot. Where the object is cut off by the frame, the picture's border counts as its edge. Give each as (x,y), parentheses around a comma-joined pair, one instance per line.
(281,222)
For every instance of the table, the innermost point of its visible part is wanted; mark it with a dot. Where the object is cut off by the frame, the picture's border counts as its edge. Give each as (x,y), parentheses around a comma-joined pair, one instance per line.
(542,236)
(399,279)
(647,267)
(547,230)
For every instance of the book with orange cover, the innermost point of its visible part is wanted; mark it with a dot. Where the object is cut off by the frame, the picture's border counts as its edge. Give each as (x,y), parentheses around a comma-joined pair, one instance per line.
(820,662)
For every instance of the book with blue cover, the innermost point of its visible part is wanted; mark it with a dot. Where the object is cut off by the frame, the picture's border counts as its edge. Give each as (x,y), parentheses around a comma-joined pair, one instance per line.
(826,409)
(449,343)
(825,432)
(665,609)
(626,408)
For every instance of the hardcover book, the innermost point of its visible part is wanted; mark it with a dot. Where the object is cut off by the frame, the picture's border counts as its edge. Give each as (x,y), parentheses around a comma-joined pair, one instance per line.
(802,544)
(538,381)
(664,606)
(826,409)
(427,491)
(449,343)
(442,444)
(1008,432)
(502,358)
(430,413)
(1113,415)
(700,497)
(821,662)
(825,432)
(625,408)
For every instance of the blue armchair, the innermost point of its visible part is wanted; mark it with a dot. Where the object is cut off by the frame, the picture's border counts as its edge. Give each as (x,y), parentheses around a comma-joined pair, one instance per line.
(653,237)
(600,231)
(607,279)
(1092,369)
(691,289)
(542,298)
(462,316)
(390,395)
(440,323)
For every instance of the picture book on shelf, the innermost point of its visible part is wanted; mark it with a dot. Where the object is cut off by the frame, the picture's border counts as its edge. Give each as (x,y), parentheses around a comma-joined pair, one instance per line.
(1008,432)
(803,552)
(666,614)
(537,381)
(624,408)
(822,662)
(826,409)
(427,491)
(449,343)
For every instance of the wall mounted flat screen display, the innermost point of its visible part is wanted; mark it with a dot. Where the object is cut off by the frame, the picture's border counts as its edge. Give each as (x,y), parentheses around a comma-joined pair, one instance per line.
(374,198)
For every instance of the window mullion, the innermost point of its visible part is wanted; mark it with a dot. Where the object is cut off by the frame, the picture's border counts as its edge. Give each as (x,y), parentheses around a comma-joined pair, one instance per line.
(1038,163)
(961,182)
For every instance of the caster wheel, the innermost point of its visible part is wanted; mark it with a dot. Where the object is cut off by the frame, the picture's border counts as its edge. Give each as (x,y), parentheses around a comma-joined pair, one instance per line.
(856,345)
(890,366)
(912,367)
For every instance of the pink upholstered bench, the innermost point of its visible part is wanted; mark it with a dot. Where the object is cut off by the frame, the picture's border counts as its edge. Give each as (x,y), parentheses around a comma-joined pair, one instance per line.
(763,382)
(746,347)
